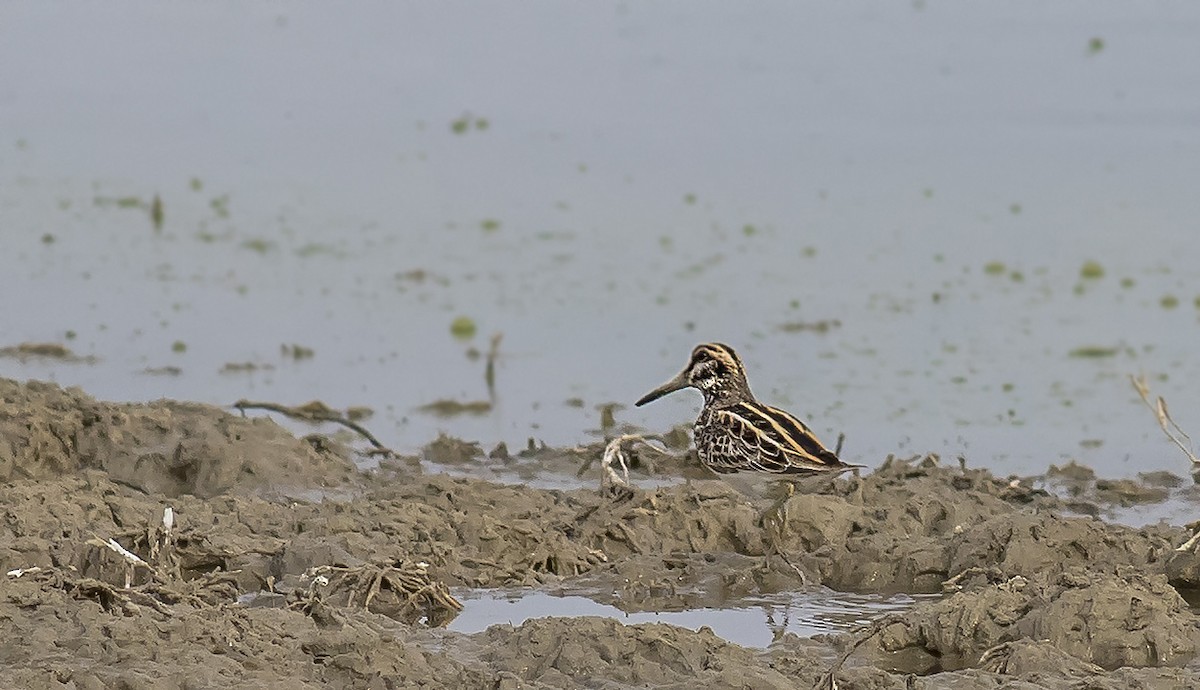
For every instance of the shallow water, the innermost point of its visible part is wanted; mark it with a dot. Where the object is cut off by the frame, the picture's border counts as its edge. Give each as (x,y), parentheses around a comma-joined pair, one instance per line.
(886,209)
(750,623)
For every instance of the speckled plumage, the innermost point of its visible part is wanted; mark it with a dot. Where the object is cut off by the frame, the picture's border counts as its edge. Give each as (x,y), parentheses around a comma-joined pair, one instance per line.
(740,438)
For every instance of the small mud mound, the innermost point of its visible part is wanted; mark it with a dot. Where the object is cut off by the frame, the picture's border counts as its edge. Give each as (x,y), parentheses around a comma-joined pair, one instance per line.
(1111,619)
(164,448)
(910,526)
(575,652)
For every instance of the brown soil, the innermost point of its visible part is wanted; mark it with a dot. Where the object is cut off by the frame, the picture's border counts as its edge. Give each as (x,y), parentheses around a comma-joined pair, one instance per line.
(284,566)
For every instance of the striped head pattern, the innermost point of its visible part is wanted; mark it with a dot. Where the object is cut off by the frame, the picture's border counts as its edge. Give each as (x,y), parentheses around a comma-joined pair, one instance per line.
(715,370)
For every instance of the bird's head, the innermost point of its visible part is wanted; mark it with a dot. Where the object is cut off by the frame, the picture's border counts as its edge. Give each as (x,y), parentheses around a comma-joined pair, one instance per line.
(714,370)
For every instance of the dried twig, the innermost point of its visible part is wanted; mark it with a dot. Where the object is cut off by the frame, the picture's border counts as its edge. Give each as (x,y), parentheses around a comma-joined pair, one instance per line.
(1195,538)
(617,453)
(316,411)
(18,572)
(413,593)
(829,680)
(1168,425)
(132,560)
(489,372)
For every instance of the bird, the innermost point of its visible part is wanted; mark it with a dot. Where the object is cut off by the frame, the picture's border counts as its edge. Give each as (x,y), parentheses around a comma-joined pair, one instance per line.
(752,446)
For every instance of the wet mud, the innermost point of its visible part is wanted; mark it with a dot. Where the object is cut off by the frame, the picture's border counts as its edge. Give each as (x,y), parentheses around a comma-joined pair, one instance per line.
(174,545)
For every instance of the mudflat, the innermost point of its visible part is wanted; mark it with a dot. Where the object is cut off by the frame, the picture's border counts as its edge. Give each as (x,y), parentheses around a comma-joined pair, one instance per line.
(176,545)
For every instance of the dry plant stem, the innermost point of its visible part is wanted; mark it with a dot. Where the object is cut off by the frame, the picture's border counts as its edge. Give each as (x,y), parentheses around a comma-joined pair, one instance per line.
(829,680)
(1190,543)
(310,413)
(991,572)
(489,372)
(1164,418)
(406,579)
(617,452)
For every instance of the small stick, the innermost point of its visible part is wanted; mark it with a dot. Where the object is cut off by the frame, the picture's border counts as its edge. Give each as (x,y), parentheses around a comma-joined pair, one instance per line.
(128,555)
(18,572)
(489,372)
(829,680)
(315,412)
(1164,417)
(1190,543)
(617,452)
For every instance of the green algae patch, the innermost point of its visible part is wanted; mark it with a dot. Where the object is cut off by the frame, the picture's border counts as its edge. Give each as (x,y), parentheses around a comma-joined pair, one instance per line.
(358,413)
(220,205)
(822,326)
(319,249)
(26,351)
(1091,270)
(462,328)
(464,124)
(243,367)
(1093,352)
(1169,301)
(296,352)
(156,212)
(994,268)
(489,224)
(451,408)
(258,245)
(179,346)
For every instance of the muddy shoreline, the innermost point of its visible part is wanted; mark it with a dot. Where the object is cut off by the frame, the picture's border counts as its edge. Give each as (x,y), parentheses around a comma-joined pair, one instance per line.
(281,564)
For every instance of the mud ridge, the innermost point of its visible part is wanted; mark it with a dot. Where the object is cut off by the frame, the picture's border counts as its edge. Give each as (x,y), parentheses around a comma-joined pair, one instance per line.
(252,557)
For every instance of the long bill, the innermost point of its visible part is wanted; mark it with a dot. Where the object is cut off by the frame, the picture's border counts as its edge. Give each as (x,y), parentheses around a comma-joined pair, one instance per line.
(678,383)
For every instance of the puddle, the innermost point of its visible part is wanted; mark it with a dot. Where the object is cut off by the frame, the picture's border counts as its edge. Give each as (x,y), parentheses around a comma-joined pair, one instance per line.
(1178,506)
(752,622)
(1178,509)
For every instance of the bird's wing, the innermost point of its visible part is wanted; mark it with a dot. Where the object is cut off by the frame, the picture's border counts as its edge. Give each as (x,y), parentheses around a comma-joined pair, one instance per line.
(768,439)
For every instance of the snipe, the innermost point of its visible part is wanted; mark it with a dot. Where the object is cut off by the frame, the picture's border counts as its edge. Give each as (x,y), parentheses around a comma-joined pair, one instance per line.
(747,443)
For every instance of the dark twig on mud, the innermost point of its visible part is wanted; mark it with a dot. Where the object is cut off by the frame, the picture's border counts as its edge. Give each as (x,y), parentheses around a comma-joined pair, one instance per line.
(489,372)
(316,411)
(829,680)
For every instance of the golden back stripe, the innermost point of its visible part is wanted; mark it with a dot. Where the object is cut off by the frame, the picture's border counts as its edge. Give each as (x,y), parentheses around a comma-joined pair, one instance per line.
(798,439)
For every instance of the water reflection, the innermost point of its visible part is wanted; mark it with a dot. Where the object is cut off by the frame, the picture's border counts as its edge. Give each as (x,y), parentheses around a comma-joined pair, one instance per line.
(752,622)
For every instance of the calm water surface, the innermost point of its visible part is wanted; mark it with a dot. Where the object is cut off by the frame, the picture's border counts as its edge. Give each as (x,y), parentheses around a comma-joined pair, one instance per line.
(750,623)
(887,209)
